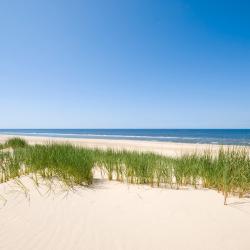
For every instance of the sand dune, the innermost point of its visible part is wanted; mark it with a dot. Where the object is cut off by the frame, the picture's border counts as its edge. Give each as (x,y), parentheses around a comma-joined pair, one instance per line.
(112,215)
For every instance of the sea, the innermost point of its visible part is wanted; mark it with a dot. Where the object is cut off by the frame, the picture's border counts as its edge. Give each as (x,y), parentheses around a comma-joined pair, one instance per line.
(210,136)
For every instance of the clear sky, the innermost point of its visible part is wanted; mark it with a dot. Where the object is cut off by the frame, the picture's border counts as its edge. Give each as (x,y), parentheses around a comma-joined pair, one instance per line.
(125,64)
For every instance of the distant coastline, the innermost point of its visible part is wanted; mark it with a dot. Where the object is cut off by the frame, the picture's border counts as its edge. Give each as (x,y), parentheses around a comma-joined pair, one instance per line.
(197,136)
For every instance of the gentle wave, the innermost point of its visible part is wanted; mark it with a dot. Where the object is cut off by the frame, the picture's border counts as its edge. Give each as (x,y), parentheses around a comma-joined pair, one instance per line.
(98,135)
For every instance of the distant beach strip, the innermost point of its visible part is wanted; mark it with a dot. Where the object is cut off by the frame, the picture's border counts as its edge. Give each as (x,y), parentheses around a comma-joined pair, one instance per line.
(200,136)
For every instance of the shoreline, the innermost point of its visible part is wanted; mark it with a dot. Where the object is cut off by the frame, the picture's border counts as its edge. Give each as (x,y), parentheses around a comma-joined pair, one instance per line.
(164,148)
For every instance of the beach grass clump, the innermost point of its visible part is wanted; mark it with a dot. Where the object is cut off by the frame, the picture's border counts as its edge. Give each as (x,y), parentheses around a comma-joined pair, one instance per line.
(228,172)
(186,170)
(163,172)
(10,166)
(71,165)
(140,167)
(4,159)
(208,171)
(233,172)
(110,161)
(16,143)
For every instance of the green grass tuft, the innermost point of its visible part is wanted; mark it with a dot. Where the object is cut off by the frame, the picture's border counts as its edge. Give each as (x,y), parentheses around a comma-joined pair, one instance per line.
(228,172)
(16,143)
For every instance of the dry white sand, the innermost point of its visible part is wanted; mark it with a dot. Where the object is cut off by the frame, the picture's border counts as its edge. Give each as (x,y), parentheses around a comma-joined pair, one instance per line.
(113,216)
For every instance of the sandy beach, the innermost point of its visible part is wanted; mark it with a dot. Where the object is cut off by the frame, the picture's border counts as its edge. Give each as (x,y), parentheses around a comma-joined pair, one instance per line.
(110,215)
(164,148)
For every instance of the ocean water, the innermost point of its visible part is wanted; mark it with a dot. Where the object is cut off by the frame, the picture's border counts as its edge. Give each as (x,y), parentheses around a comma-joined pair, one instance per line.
(211,136)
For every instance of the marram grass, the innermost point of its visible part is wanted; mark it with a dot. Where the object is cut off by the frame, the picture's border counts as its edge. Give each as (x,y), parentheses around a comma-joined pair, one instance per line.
(228,172)
(72,165)
(15,143)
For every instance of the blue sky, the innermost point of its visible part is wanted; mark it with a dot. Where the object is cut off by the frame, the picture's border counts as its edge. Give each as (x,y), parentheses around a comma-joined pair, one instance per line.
(125,64)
